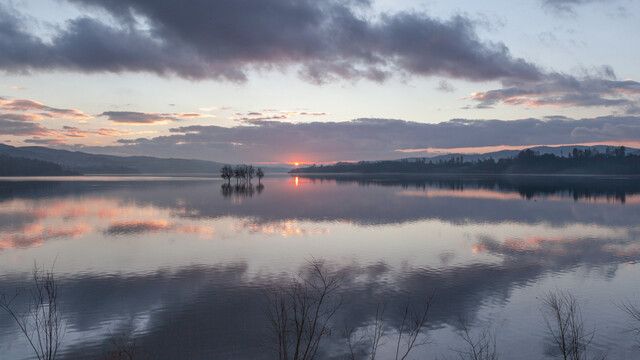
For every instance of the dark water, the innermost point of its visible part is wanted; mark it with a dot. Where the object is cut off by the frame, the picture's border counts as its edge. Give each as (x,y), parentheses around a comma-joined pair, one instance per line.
(182,265)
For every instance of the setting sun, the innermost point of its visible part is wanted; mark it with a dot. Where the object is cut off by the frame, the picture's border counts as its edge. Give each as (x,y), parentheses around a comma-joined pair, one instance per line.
(296,164)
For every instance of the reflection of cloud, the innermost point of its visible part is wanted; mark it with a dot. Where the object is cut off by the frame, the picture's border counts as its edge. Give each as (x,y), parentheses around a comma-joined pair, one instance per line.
(204,311)
(34,235)
(466,193)
(112,213)
(133,227)
(283,228)
(592,249)
(136,227)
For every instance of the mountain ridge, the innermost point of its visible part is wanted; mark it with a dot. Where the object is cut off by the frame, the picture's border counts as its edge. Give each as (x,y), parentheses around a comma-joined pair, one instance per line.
(87,163)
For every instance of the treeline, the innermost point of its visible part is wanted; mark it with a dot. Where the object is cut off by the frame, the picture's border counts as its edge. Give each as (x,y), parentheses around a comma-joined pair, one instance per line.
(613,161)
(17,166)
(242,173)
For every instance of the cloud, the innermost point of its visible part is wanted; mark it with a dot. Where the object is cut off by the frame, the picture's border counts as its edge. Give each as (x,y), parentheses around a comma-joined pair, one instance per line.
(255,117)
(313,113)
(223,40)
(8,126)
(370,139)
(561,90)
(22,105)
(40,141)
(568,6)
(258,118)
(138,118)
(445,86)
(111,132)
(73,132)
(20,117)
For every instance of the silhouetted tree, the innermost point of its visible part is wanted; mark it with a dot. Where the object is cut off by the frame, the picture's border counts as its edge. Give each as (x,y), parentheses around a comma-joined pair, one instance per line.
(250,172)
(564,322)
(226,173)
(479,347)
(409,334)
(42,323)
(237,173)
(300,313)
(259,174)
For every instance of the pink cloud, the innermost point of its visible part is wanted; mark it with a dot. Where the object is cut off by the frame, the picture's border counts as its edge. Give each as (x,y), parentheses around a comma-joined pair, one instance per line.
(47,111)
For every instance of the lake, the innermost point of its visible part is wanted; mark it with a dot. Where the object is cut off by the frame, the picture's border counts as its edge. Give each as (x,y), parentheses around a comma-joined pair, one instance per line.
(185,265)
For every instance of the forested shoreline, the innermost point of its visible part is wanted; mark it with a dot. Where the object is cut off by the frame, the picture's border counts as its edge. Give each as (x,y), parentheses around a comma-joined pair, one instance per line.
(613,161)
(18,166)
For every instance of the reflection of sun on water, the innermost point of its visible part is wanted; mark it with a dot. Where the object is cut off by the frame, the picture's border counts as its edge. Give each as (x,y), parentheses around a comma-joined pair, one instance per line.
(296,181)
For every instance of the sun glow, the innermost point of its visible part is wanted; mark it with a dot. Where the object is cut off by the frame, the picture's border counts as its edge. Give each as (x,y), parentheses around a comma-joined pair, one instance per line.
(296,164)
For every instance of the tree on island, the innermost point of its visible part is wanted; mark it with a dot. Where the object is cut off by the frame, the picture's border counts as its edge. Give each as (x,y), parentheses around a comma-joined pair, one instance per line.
(242,173)
(259,174)
(250,172)
(226,173)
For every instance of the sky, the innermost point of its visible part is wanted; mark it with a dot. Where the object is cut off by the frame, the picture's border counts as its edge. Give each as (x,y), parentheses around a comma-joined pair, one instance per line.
(308,81)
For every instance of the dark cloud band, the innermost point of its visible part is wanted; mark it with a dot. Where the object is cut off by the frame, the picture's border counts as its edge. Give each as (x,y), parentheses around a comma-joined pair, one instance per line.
(371,139)
(222,39)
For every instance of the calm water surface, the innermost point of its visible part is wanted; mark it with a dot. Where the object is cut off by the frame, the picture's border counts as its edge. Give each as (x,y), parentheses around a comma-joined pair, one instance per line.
(182,264)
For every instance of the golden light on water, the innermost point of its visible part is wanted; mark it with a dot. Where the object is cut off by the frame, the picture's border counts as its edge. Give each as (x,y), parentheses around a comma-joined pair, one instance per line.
(296,181)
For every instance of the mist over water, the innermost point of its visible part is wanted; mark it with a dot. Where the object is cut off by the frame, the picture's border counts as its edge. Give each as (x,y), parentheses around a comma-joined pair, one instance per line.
(183,264)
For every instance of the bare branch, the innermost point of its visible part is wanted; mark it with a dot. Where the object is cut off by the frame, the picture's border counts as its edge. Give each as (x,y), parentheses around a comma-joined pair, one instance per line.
(42,323)
(565,324)
(300,313)
(480,347)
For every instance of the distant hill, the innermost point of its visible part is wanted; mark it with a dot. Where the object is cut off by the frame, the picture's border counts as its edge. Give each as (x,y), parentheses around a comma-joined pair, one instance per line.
(17,166)
(86,163)
(563,151)
(585,160)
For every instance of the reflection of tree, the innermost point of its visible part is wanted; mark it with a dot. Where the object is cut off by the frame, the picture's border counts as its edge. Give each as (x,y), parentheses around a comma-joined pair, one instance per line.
(244,190)
(529,187)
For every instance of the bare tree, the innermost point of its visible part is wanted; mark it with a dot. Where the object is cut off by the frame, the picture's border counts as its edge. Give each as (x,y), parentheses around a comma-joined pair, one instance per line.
(259,174)
(410,329)
(226,172)
(565,324)
(124,347)
(633,311)
(250,172)
(480,347)
(409,332)
(368,342)
(300,313)
(42,323)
